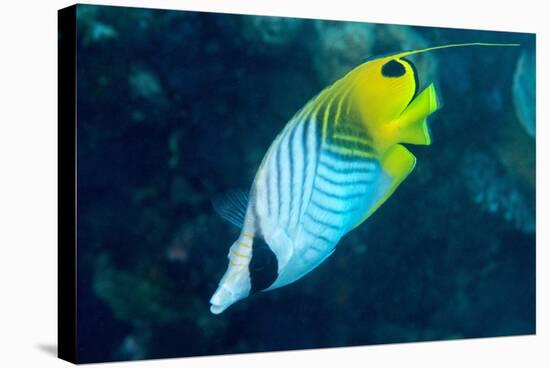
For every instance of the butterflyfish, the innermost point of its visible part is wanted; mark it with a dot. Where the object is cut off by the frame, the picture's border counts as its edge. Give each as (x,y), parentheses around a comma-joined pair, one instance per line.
(336,161)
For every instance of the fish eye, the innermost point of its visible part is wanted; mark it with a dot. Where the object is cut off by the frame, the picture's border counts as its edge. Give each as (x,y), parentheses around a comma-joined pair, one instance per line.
(263,266)
(393,69)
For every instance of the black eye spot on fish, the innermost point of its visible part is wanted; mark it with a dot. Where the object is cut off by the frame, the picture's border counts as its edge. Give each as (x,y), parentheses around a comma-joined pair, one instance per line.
(393,69)
(263,266)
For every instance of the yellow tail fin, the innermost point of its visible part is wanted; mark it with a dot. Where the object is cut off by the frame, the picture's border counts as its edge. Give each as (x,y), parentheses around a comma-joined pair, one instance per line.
(411,125)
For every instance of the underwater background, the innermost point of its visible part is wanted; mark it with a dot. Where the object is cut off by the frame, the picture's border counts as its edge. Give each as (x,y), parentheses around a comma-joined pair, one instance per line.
(175,108)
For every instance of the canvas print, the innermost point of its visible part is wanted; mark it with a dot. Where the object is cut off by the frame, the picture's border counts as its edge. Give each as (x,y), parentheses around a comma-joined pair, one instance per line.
(252,183)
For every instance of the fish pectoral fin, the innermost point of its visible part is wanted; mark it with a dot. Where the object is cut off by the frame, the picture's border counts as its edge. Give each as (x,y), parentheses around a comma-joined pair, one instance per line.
(231,206)
(397,163)
(412,126)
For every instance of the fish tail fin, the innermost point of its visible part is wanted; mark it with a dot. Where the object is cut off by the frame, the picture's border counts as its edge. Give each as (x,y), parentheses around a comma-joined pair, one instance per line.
(412,126)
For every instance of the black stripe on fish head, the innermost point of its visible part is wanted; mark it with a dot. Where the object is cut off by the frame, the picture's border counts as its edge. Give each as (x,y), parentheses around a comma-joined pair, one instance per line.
(415,74)
(395,69)
(263,266)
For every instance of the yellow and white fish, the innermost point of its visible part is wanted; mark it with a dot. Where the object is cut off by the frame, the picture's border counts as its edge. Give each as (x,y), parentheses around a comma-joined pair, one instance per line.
(335,162)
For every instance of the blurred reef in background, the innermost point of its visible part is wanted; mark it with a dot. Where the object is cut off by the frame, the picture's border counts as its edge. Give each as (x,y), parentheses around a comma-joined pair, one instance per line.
(176,107)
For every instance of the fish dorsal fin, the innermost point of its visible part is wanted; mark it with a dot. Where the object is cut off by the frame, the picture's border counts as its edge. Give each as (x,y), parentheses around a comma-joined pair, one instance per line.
(231,206)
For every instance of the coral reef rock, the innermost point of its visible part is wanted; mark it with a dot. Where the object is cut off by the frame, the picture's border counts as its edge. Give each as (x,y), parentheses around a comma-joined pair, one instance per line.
(496,193)
(340,47)
(524,90)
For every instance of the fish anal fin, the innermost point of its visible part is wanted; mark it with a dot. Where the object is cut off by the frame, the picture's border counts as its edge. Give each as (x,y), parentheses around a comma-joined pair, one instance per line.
(231,206)
(397,163)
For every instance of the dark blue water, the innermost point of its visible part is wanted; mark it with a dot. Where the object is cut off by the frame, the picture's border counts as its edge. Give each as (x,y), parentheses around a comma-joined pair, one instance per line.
(175,108)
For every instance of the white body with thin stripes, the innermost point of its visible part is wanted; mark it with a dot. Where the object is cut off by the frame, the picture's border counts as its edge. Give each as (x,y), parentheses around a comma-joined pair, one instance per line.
(318,180)
(309,192)
(306,196)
